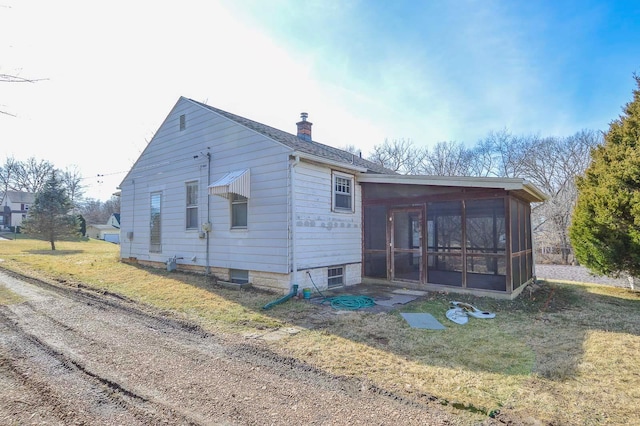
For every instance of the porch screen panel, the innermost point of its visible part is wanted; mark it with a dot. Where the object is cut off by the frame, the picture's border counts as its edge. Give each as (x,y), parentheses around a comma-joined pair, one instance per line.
(522,226)
(375,228)
(521,245)
(155,239)
(515,229)
(375,241)
(444,243)
(485,234)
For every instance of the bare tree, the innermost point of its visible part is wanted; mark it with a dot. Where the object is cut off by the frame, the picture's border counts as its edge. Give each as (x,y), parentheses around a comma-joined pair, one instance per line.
(95,211)
(554,168)
(91,210)
(8,173)
(399,155)
(447,159)
(112,205)
(72,181)
(508,151)
(32,174)
(484,162)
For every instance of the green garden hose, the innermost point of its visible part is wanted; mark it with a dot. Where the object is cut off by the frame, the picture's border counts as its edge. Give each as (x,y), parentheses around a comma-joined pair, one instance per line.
(348,302)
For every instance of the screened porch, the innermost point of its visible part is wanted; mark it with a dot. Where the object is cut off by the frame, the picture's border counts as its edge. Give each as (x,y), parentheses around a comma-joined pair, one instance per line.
(460,237)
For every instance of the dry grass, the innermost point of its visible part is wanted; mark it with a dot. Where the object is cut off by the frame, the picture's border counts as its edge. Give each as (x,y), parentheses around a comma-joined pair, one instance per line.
(567,354)
(8,297)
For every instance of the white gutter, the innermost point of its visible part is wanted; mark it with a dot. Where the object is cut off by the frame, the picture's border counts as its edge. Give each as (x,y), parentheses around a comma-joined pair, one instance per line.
(323,160)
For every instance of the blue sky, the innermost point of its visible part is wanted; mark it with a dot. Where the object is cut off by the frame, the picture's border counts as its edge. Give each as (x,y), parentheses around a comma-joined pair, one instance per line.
(428,71)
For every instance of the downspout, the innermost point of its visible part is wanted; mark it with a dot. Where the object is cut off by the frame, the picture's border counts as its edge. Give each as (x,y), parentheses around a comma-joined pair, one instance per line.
(207,266)
(294,261)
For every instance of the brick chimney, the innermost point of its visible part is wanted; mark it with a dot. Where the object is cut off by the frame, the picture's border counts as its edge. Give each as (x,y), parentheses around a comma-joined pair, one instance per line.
(304,127)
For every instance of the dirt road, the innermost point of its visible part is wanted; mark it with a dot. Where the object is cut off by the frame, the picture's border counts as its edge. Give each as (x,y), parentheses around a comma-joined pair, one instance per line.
(73,356)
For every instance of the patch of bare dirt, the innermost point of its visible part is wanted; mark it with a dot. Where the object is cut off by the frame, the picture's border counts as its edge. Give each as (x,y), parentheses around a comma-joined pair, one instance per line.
(73,356)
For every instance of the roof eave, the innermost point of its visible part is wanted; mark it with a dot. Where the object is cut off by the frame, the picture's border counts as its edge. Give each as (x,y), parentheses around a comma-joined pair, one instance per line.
(533,194)
(322,160)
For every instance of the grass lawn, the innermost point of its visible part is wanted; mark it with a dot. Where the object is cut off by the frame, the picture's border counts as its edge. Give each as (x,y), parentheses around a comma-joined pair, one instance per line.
(566,354)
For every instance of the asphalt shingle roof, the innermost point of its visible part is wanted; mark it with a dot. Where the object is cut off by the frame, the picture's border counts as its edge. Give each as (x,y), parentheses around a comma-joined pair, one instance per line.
(21,197)
(298,144)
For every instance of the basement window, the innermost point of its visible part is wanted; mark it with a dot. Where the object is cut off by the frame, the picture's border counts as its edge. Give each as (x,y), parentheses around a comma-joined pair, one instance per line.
(239,276)
(335,276)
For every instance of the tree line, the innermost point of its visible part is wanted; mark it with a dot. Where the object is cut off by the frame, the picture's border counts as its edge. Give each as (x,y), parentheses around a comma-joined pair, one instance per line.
(551,163)
(31,175)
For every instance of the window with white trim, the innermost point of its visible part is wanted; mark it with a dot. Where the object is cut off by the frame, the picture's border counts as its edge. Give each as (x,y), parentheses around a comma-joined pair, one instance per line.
(238,211)
(342,192)
(155,234)
(192,205)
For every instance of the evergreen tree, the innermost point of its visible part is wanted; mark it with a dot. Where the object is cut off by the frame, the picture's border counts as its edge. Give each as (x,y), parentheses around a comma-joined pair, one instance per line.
(605,232)
(49,217)
(82,224)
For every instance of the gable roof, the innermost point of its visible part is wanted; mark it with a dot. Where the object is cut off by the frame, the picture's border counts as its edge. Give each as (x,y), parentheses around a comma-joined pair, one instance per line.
(313,148)
(21,197)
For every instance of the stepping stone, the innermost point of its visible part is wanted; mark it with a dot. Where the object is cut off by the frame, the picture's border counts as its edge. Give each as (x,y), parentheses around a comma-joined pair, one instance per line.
(396,300)
(422,320)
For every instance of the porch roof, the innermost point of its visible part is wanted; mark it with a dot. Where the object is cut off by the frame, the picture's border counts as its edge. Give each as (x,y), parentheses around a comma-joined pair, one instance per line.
(521,187)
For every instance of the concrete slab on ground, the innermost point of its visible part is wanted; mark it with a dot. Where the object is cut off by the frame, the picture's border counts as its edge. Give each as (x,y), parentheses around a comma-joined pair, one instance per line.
(396,299)
(422,320)
(410,292)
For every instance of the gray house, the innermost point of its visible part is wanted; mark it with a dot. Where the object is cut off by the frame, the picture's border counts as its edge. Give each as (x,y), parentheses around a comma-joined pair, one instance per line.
(250,203)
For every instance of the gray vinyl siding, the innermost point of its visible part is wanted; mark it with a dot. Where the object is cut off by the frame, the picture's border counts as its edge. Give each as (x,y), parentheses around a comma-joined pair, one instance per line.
(168,163)
(323,237)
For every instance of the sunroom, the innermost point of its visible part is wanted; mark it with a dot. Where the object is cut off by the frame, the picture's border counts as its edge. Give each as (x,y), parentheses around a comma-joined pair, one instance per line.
(461,234)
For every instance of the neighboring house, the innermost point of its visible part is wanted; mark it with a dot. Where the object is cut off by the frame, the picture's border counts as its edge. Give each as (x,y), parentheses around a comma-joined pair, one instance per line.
(108,232)
(15,207)
(251,203)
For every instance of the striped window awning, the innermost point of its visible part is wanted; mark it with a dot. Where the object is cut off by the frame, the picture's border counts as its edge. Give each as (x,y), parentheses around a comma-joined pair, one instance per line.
(236,182)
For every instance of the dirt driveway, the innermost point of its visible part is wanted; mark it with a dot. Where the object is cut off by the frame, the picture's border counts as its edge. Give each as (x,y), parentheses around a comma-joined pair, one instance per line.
(72,356)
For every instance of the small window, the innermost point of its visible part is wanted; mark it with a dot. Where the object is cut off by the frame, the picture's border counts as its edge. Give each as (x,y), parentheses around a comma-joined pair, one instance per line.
(343,193)
(239,276)
(155,234)
(238,211)
(183,122)
(192,205)
(335,276)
